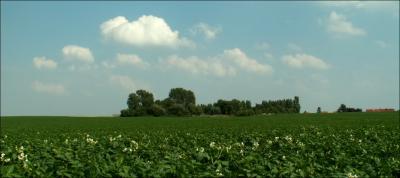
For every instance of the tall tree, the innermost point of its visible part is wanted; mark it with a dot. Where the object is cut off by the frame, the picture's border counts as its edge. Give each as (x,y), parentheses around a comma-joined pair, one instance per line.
(342,108)
(297,104)
(182,96)
(133,101)
(146,98)
(139,103)
(319,110)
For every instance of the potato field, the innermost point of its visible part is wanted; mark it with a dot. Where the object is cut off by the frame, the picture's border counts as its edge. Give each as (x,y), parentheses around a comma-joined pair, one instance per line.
(286,145)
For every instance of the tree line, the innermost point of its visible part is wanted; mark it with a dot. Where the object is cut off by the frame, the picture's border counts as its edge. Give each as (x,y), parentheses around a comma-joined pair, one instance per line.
(182,102)
(344,108)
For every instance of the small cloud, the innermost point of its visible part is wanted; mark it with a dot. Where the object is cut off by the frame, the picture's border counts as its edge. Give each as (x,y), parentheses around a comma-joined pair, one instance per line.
(263,46)
(131,59)
(146,31)
(127,83)
(223,65)
(74,52)
(44,63)
(320,79)
(87,93)
(339,25)
(57,89)
(381,44)
(268,56)
(381,6)
(72,68)
(196,65)
(351,4)
(123,81)
(84,67)
(304,61)
(246,63)
(295,48)
(209,32)
(108,65)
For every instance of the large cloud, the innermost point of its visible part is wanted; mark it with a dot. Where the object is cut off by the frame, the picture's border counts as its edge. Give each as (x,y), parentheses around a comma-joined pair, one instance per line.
(48,88)
(226,64)
(338,24)
(74,52)
(148,30)
(304,61)
(44,63)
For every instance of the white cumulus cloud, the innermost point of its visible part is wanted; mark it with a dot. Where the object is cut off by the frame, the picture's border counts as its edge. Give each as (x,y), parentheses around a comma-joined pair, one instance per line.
(44,63)
(108,65)
(226,64)
(339,25)
(127,83)
(131,59)
(294,47)
(48,88)
(304,61)
(263,46)
(208,31)
(148,30)
(381,44)
(74,52)
(382,6)
(268,56)
(245,62)
(196,65)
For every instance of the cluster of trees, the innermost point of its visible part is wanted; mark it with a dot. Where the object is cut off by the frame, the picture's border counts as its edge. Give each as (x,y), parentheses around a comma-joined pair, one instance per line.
(343,108)
(279,106)
(229,107)
(182,102)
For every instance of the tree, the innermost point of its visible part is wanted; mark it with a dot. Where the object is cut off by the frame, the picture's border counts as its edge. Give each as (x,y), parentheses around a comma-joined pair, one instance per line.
(178,110)
(342,108)
(167,102)
(146,99)
(138,103)
(215,110)
(248,104)
(224,106)
(157,110)
(125,113)
(297,104)
(182,96)
(133,101)
(194,110)
(319,110)
(186,98)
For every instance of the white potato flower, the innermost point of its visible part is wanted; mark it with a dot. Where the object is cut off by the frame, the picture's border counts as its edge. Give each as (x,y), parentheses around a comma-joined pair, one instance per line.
(351,175)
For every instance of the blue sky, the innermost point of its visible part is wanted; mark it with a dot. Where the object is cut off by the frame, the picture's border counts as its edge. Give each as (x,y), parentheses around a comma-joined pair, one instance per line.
(84,58)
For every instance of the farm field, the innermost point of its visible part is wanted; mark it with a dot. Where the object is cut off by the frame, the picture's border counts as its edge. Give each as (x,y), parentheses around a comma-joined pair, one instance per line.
(285,145)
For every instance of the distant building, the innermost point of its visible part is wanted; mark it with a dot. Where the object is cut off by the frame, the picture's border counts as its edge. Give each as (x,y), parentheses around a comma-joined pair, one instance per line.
(380,110)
